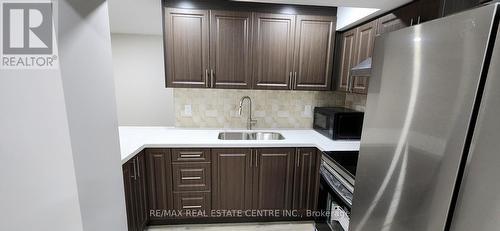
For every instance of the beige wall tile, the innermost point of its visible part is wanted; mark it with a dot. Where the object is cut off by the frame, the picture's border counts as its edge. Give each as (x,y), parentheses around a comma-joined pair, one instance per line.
(218,108)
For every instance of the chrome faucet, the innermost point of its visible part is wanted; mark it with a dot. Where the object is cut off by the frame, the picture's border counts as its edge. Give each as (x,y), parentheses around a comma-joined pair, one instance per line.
(250,121)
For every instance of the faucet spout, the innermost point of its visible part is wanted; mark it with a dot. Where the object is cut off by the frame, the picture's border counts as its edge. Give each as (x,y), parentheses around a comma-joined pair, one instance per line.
(250,121)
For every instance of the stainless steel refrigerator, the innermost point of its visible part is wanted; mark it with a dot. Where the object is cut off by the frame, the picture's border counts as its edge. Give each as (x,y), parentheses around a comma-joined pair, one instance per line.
(430,148)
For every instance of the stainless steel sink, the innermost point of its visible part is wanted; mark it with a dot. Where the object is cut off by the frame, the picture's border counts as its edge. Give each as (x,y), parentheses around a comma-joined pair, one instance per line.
(250,136)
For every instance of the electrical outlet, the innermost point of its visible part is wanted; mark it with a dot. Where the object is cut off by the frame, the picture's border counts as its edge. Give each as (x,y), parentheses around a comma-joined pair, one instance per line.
(187,110)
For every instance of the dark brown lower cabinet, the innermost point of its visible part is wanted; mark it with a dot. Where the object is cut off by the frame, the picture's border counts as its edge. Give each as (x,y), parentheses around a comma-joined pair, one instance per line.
(192,204)
(197,181)
(159,181)
(306,179)
(232,173)
(135,193)
(273,178)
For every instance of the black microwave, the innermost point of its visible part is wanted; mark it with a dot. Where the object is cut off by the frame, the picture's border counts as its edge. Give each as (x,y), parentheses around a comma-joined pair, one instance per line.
(338,123)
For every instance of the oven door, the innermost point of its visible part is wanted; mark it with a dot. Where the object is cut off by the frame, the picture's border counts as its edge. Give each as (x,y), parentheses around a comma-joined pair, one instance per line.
(332,203)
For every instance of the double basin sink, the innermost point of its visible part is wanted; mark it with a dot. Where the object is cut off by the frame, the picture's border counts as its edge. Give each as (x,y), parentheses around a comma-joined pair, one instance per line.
(250,136)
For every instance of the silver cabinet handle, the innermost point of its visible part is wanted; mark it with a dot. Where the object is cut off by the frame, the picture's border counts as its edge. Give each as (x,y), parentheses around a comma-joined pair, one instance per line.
(418,20)
(135,169)
(211,78)
(191,178)
(191,154)
(206,78)
(295,80)
(290,76)
(411,22)
(138,168)
(297,156)
(191,206)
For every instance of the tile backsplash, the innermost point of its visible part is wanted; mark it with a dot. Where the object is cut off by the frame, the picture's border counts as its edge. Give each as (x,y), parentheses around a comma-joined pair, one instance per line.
(218,108)
(355,101)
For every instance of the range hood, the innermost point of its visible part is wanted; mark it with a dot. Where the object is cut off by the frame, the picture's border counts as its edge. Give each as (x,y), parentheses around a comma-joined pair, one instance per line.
(363,69)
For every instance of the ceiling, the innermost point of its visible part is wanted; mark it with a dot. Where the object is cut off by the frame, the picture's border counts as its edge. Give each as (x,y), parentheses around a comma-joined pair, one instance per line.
(380,4)
(144,16)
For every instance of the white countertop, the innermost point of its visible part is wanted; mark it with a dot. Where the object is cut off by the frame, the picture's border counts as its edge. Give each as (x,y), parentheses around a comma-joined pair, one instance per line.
(135,139)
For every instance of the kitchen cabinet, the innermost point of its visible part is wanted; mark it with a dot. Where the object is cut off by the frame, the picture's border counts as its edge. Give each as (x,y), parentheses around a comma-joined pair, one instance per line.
(409,15)
(187,47)
(273,178)
(273,51)
(159,175)
(357,44)
(232,174)
(398,19)
(191,181)
(306,179)
(135,193)
(314,42)
(248,50)
(230,49)
(347,58)
(365,40)
(201,179)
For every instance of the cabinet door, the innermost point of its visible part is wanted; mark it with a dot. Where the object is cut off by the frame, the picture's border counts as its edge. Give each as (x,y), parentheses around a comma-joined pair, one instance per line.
(364,49)
(230,53)
(429,10)
(232,171)
(159,176)
(314,42)
(398,19)
(130,194)
(347,58)
(187,47)
(142,211)
(273,51)
(306,179)
(273,178)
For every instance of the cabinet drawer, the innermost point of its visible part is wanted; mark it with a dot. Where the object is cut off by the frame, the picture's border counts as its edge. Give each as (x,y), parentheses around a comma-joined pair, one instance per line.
(191,176)
(190,155)
(192,201)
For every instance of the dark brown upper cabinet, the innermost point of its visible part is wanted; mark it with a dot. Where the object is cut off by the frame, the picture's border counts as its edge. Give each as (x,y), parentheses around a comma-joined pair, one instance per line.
(273,51)
(273,178)
(249,50)
(234,192)
(306,179)
(314,42)
(347,58)
(396,20)
(187,47)
(230,49)
(364,49)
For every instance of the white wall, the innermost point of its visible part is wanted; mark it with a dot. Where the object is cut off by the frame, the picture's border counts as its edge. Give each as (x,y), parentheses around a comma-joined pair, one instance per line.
(59,153)
(141,96)
(347,16)
(38,188)
(86,68)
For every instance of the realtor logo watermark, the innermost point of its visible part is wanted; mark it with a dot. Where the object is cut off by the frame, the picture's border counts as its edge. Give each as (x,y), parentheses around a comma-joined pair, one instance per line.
(28,36)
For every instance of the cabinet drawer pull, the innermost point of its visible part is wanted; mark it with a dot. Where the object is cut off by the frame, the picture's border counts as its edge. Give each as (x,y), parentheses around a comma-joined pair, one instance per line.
(211,78)
(191,178)
(191,206)
(191,155)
